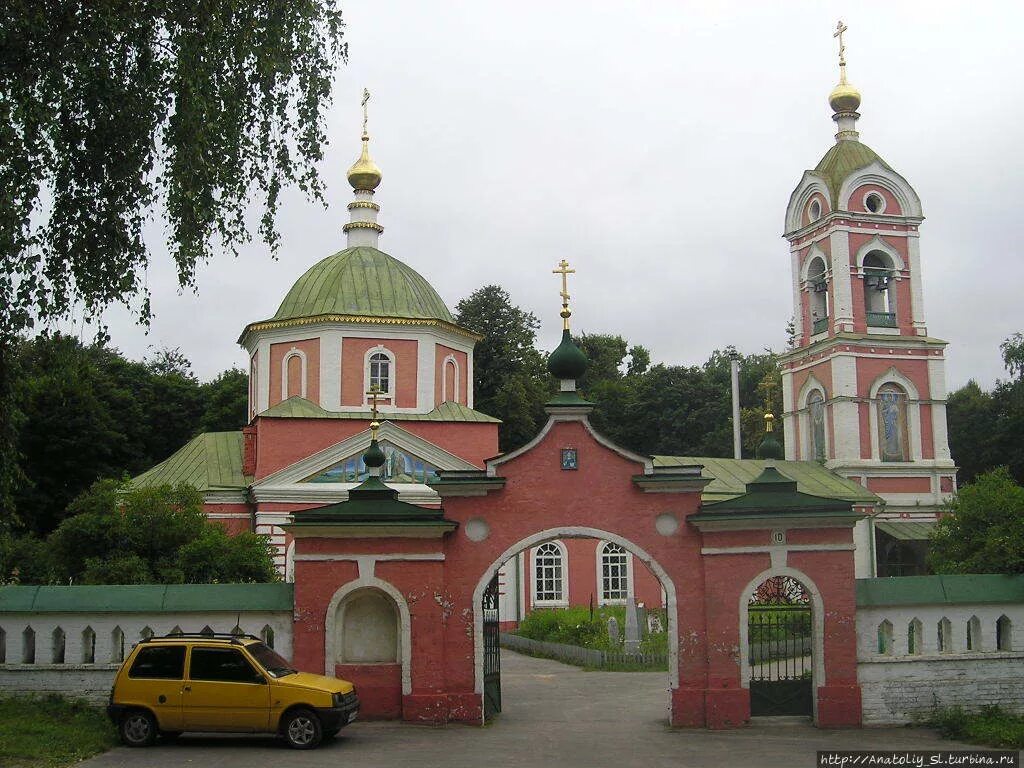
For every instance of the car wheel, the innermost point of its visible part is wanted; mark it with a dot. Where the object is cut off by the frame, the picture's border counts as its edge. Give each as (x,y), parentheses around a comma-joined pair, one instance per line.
(137,728)
(302,729)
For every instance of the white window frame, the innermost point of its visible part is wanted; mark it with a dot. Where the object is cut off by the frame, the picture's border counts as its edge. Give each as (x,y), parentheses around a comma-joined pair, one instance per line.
(563,554)
(293,352)
(449,360)
(392,374)
(602,592)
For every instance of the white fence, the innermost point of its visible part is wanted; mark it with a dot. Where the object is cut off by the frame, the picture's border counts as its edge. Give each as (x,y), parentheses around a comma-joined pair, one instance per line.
(962,647)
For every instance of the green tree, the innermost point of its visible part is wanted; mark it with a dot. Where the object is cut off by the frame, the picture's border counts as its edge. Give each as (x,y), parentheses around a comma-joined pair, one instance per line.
(116,534)
(510,380)
(985,531)
(225,402)
(973,425)
(111,112)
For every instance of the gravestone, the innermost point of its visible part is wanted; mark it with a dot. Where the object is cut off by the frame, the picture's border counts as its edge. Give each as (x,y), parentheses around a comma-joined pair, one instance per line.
(632,644)
(613,629)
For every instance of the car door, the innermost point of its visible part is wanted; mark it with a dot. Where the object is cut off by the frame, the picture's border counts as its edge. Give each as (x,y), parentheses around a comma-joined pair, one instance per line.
(155,680)
(224,692)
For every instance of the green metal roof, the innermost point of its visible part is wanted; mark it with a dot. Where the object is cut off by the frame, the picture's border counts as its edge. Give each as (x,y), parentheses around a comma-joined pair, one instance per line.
(910,530)
(950,589)
(772,493)
(147,598)
(362,281)
(211,461)
(843,159)
(372,502)
(729,478)
(300,408)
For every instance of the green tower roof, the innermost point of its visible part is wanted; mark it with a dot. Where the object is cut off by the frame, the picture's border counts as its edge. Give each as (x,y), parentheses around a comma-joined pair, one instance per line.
(843,159)
(363,281)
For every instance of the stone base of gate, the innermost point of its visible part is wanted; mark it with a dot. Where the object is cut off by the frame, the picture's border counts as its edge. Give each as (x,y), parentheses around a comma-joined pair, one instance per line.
(687,707)
(441,708)
(839,706)
(726,707)
(379,687)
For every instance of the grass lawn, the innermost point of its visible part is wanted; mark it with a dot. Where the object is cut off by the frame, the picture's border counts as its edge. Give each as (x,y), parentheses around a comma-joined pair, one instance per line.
(991,726)
(51,732)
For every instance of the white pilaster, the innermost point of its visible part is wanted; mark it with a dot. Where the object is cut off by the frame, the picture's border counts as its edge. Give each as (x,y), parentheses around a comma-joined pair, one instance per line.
(842,291)
(426,361)
(798,315)
(330,370)
(262,375)
(845,410)
(937,388)
(916,290)
(789,420)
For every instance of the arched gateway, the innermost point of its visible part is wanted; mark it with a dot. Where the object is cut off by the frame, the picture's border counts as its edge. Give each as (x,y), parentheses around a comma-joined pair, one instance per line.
(423,577)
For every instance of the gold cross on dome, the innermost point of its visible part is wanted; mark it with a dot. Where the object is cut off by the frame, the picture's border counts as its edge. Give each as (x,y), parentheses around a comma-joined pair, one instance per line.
(366,98)
(564,271)
(374,393)
(840,28)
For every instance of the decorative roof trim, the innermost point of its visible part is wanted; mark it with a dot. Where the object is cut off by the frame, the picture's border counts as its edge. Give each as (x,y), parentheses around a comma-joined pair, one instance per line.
(363,225)
(363,204)
(269,325)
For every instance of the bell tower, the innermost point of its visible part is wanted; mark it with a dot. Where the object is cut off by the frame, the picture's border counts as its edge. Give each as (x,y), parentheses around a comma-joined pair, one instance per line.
(864,385)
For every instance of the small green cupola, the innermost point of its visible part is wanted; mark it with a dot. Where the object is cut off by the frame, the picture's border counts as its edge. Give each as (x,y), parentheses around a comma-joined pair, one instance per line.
(769,447)
(567,363)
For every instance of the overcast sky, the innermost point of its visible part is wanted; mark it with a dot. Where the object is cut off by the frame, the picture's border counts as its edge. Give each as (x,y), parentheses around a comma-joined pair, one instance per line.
(653,145)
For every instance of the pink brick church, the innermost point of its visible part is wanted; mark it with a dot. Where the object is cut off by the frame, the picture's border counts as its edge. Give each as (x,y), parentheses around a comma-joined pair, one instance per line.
(409,537)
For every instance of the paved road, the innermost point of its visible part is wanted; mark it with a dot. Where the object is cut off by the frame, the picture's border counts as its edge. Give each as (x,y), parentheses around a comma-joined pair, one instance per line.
(554,715)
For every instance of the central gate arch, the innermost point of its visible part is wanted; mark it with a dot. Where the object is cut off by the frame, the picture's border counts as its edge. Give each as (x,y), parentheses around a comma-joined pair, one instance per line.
(563,532)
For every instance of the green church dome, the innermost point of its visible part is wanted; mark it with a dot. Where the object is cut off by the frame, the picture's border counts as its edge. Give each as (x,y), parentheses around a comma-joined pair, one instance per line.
(366,282)
(568,360)
(842,159)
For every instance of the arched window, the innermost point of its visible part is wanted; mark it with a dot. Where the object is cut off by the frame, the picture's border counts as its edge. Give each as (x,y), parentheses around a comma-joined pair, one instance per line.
(548,574)
(974,634)
(58,646)
(207,631)
(145,633)
(885,638)
(816,419)
(944,634)
(3,646)
(28,646)
(914,637)
(267,635)
(88,646)
(368,622)
(818,284)
(614,574)
(293,370)
(450,380)
(892,423)
(380,372)
(879,293)
(1004,634)
(117,645)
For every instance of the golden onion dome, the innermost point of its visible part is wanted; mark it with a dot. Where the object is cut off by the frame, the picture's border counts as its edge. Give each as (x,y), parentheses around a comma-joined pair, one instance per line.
(844,98)
(364,174)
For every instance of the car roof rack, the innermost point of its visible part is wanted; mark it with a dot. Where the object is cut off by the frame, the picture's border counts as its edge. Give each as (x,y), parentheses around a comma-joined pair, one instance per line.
(228,636)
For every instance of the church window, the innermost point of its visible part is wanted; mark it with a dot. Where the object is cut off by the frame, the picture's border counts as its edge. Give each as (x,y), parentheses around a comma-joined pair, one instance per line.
(88,646)
(879,293)
(380,372)
(117,645)
(1004,640)
(974,634)
(267,635)
(58,646)
(818,285)
(874,202)
(914,637)
(816,416)
(885,638)
(614,573)
(892,423)
(944,635)
(814,211)
(450,380)
(548,570)
(28,646)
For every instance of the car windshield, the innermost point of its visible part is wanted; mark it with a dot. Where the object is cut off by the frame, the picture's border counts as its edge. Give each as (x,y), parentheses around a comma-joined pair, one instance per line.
(271,661)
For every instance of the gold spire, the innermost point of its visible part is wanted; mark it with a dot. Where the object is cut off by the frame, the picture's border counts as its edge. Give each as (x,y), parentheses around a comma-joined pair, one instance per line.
(769,422)
(374,393)
(364,174)
(564,271)
(844,97)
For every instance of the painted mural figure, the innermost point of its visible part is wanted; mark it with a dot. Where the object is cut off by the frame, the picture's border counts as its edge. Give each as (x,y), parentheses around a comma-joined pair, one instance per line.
(891,412)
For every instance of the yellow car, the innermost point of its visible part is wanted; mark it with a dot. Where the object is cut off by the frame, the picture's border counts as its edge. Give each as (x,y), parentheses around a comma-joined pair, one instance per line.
(225,684)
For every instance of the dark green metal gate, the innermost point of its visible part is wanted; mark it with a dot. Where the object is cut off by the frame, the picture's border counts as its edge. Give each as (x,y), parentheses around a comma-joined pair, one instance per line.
(779,643)
(492,651)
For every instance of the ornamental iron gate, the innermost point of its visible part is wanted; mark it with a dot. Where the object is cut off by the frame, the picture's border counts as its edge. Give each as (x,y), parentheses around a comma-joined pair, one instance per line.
(492,651)
(779,643)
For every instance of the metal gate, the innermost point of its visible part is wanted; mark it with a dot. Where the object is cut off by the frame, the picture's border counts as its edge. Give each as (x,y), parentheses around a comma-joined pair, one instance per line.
(779,651)
(492,651)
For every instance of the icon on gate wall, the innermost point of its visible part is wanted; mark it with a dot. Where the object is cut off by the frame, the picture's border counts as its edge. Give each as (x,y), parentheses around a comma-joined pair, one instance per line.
(569,458)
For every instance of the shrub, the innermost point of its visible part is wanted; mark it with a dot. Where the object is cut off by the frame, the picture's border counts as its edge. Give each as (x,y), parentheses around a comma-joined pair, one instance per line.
(991,725)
